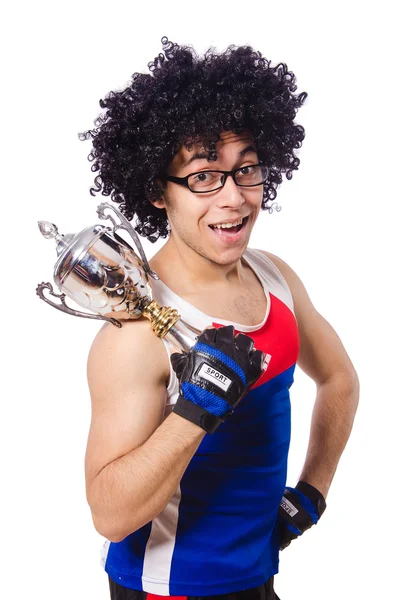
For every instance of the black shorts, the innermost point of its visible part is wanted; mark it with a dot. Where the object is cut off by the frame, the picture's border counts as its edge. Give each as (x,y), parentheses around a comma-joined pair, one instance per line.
(262,592)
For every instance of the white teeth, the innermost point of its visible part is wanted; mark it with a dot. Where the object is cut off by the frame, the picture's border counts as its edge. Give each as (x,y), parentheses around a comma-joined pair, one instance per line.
(227,225)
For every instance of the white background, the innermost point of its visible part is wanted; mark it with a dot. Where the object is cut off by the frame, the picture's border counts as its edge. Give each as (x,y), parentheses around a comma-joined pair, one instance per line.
(336,229)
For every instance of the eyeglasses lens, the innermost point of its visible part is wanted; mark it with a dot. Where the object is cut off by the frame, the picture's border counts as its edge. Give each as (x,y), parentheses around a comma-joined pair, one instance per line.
(208,181)
(251,175)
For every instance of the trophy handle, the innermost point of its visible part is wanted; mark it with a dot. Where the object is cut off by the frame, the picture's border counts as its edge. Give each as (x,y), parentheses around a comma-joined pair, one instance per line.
(125,224)
(66,309)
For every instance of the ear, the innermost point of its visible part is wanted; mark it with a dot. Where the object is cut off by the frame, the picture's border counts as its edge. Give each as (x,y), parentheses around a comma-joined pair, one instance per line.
(160,203)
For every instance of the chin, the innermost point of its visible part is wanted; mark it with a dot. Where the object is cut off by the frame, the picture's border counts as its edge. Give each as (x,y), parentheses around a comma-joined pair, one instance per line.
(228,257)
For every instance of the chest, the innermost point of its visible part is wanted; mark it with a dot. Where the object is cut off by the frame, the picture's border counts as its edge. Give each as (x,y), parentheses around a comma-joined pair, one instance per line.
(244,306)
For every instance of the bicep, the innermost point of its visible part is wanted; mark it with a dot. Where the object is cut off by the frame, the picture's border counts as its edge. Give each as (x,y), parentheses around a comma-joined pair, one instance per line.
(127,384)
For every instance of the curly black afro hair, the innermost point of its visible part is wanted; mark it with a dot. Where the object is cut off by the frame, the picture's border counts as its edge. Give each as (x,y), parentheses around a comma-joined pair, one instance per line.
(187,99)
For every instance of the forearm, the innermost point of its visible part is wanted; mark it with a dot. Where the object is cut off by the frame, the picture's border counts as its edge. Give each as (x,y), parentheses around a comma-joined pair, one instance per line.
(132,490)
(332,421)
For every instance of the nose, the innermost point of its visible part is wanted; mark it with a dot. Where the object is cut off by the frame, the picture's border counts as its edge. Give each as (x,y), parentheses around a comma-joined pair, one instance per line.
(230,195)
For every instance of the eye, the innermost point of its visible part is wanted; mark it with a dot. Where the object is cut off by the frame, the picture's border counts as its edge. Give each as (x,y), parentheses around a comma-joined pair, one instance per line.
(204,181)
(248,170)
(250,175)
(203,177)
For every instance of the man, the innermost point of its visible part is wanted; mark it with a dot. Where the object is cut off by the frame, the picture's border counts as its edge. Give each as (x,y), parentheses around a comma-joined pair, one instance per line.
(187,452)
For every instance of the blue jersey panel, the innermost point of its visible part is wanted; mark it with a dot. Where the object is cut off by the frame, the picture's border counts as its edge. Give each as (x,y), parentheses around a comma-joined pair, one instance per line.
(230,494)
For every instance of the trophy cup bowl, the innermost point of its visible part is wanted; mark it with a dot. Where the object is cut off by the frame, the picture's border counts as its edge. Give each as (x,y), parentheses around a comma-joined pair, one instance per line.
(100,272)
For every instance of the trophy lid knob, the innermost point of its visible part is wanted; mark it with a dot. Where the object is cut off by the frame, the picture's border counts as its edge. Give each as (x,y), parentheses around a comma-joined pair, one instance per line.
(49,230)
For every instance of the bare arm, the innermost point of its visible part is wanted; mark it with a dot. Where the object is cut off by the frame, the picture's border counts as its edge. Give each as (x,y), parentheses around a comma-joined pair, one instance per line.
(323,357)
(134,459)
(332,421)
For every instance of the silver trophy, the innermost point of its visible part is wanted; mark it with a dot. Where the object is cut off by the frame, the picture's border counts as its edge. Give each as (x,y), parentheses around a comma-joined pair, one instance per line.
(99,271)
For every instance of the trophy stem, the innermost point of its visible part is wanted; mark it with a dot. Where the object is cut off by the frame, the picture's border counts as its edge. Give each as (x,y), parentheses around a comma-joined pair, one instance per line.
(161,318)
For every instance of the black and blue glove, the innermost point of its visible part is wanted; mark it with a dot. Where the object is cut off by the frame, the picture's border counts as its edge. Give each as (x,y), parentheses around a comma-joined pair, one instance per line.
(215,375)
(300,508)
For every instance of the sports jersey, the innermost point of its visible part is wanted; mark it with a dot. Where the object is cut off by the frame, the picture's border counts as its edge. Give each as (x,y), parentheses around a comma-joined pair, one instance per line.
(217,534)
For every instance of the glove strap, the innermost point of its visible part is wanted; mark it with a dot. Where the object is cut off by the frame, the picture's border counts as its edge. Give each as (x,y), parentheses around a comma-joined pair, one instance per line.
(196,414)
(315,497)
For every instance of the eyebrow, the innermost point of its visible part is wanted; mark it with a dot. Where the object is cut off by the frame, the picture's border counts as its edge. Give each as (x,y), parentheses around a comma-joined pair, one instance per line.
(204,155)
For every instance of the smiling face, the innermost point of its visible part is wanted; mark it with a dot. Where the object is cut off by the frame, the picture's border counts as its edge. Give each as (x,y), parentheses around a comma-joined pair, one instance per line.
(193,217)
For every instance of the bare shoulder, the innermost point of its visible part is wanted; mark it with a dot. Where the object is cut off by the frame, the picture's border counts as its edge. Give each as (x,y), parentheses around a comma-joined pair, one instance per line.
(282,266)
(120,351)
(127,372)
(294,283)
(302,304)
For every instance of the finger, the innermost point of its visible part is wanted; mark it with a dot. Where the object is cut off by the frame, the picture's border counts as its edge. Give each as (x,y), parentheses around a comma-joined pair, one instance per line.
(244,343)
(178,362)
(176,357)
(225,335)
(208,335)
(258,361)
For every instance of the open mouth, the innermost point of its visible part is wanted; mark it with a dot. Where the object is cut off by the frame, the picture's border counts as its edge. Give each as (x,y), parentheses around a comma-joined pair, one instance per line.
(228,228)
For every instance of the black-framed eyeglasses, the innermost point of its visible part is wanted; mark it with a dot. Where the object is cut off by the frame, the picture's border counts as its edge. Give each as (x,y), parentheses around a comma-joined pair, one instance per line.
(203,182)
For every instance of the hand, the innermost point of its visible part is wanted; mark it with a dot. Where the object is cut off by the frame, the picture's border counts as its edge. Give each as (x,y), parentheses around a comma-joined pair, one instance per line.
(300,508)
(215,375)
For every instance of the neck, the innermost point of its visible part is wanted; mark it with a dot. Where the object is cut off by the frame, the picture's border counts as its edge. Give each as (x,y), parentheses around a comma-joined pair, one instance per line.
(177,262)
